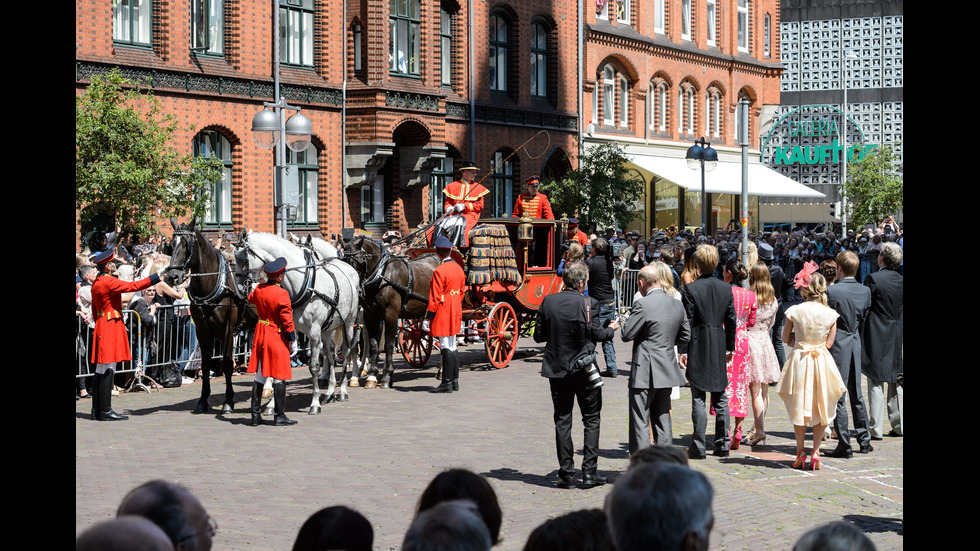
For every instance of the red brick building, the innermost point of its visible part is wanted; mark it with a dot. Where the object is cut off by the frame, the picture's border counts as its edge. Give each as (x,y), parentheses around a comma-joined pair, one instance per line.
(414,99)
(660,74)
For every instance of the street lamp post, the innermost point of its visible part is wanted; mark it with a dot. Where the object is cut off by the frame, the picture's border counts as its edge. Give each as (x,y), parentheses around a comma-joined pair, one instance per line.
(843,191)
(702,155)
(268,128)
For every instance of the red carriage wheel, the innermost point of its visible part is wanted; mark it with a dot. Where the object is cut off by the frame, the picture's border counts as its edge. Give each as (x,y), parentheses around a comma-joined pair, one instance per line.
(501,335)
(416,345)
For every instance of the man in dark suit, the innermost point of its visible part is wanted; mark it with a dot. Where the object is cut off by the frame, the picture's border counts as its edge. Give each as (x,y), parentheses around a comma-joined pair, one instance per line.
(851,300)
(711,312)
(657,322)
(569,323)
(779,285)
(882,345)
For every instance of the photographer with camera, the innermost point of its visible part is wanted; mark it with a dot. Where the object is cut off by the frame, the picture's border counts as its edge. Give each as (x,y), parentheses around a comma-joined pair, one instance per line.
(569,323)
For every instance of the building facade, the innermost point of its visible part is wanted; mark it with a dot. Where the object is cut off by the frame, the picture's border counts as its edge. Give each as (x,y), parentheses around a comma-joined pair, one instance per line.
(659,75)
(833,50)
(399,93)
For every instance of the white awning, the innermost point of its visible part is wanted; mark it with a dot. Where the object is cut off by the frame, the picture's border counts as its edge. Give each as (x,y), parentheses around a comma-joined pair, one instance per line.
(725,178)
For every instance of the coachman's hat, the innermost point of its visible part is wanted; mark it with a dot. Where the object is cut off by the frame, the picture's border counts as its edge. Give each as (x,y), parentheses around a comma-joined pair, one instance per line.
(468,165)
(533,181)
(275,268)
(103,257)
(443,242)
(573,222)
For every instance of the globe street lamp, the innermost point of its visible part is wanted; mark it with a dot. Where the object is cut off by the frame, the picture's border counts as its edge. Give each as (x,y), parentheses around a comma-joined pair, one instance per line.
(702,155)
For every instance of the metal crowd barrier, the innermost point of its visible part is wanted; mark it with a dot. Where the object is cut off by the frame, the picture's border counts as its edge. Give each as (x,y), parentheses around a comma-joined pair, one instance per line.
(173,339)
(627,288)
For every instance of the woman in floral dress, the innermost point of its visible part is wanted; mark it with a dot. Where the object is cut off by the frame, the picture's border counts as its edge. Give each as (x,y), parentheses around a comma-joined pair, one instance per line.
(763,364)
(738,376)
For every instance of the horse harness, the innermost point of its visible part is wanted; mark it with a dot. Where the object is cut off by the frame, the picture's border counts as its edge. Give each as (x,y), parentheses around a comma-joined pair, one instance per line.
(221,290)
(379,278)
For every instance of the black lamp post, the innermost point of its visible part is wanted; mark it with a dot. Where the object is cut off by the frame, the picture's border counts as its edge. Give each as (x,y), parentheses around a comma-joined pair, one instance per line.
(702,155)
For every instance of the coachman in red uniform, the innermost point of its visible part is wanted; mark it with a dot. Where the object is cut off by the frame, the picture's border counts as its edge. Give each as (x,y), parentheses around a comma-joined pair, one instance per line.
(444,317)
(111,342)
(274,342)
(575,234)
(533,204)
(464,197)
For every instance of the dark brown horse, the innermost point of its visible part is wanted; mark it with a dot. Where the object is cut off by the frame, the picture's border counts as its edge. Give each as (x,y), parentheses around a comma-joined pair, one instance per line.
(215,303)
(394,287)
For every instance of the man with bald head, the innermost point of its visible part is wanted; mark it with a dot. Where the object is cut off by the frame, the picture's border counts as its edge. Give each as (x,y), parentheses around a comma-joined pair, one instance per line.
(175,510)
(124,534)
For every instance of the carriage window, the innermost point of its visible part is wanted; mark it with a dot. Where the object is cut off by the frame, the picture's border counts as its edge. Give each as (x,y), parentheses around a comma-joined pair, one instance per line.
(210,143)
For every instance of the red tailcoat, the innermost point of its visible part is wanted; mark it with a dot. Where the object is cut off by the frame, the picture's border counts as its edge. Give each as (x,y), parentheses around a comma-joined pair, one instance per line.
(533,207)
(446,299)
(111,343)
(470,194)
(273,332)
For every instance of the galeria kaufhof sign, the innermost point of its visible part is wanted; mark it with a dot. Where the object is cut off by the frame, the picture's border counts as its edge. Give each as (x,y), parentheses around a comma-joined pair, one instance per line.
(814,135)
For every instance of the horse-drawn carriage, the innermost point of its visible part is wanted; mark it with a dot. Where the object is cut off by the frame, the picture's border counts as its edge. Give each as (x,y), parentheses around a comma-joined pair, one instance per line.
(511,266)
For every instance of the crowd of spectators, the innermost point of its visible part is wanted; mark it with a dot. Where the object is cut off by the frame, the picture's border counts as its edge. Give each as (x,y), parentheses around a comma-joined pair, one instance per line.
(660,503)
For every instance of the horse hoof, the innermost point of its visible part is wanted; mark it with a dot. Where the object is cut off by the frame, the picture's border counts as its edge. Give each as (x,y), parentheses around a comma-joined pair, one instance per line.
(364,372)
(370,384)
(343,398)
(353,382)
(228,408)
(201,407)
(314,410)
(386,385)
(269,411)
(329,398)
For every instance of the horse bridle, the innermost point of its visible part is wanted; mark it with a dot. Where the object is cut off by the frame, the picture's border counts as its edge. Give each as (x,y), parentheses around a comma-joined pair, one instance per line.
(220,289)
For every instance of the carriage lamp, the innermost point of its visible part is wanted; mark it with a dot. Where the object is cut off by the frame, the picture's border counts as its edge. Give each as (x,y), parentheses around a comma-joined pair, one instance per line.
(702,155)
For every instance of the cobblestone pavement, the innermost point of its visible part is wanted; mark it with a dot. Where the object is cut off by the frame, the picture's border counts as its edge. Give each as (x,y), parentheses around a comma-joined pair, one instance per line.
(377,452)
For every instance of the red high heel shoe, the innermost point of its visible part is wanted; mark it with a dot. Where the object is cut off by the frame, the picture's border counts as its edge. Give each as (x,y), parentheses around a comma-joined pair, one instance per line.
(737,438)
(815,461)
(800,462)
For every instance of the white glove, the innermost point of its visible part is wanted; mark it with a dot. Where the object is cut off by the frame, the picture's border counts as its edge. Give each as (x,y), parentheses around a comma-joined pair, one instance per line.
(293,349)
(450,208)
(426,325)
(460,207)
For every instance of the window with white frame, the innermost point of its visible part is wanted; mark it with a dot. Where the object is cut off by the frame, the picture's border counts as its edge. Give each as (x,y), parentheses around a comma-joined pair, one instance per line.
(743,25)
(712,123)
(210,143)
(687,100)
(658,106)
(608,95)
(539,61)
(658,16)
(501,196)
(767,39)
(623,11)
(446,46)
(404,21)
(602,9)
(296,32)
(132,21)
(711,22)
(498,53)
(306,162)
(687,21)
(624,100)
(208,26)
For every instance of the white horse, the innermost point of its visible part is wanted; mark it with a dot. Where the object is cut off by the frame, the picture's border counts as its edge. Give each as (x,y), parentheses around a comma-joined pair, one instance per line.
(323,250)
(324,296)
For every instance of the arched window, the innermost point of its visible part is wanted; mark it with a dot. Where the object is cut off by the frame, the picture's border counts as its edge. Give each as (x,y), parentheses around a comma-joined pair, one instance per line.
(767,39)
(658,106)
(498,53)
(712,123)
(307,163)
(500,200)
(687,108)
(210,143)
(608,95)
(357,33)
(539,61)
(404,21)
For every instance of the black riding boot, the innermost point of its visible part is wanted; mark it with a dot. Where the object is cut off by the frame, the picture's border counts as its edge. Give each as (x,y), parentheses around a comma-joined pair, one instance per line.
(279,394)
(105,389)
(96,397)
(256,404)
(455,354)
(447,373)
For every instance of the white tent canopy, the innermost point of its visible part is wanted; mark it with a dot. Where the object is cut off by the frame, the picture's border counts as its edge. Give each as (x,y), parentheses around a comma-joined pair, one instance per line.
(725,178)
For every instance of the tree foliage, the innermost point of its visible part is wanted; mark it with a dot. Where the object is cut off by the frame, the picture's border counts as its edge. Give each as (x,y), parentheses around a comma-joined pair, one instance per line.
(600,190)
(126,165)
(874,187)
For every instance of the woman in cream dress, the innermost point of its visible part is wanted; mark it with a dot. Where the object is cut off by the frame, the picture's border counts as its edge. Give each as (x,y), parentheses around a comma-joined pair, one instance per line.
(810,384)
